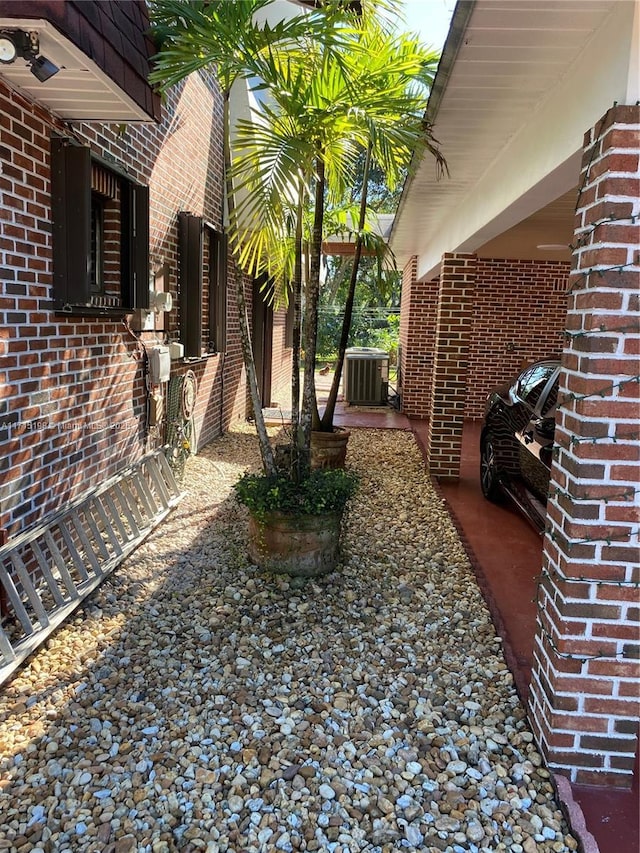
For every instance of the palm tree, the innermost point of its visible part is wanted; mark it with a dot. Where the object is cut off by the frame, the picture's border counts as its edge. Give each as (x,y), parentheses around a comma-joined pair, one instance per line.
(288,155)
(398,71)
(216,34)
(338,83)
(365,91)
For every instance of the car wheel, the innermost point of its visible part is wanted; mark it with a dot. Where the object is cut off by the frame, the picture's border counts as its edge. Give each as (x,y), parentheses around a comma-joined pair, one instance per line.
(489,480)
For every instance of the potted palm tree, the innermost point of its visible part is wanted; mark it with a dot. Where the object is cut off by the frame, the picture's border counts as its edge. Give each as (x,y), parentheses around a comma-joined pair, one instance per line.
(329,97)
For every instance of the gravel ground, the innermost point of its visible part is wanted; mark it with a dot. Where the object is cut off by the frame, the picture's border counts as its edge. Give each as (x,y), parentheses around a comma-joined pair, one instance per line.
(194,704)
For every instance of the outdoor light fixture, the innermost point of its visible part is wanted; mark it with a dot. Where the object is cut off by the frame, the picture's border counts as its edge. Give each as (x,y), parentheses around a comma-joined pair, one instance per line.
(18,43)
(42,68)
(8,49)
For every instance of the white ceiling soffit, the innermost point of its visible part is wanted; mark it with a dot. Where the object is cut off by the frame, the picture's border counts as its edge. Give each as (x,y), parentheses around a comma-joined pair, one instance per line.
(519,84)
(80,91)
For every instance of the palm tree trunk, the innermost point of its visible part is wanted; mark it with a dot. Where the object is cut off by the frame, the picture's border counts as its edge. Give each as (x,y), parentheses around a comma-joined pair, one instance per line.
(266,451)
(326,422)
(312,293)
(296,295)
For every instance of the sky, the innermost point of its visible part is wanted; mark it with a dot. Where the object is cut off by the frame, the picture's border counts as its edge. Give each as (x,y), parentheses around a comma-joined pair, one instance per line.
(430,18)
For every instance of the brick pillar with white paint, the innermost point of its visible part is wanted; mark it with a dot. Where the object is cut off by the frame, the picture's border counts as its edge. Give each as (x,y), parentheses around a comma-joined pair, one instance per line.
(450,363)
(584,701)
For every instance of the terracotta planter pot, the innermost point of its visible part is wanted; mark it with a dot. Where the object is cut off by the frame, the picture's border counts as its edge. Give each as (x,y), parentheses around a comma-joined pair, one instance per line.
(302,546)
(329,449)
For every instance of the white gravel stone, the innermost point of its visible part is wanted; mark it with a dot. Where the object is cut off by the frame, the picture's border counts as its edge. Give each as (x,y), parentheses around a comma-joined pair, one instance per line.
(413,835)
(236,804)
(327,792)
(195,704)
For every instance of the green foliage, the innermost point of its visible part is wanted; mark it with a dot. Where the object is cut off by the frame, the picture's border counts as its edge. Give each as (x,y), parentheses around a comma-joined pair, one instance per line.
(329,326)
(366,331)
(372,324)
(381,197)
(323,491)
(350,84)
(377,286)
(387,338)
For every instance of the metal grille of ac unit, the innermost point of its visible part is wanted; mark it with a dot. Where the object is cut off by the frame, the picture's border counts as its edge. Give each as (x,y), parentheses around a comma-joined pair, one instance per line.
(364,383)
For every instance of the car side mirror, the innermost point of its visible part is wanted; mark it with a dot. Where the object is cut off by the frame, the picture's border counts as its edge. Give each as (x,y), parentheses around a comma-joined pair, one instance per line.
(545,427)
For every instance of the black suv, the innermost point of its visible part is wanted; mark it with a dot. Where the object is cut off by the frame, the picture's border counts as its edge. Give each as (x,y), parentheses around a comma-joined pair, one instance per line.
(516,443)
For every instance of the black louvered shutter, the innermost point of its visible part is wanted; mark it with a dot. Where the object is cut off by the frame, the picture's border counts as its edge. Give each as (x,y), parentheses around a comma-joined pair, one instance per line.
(190,278)
(71,222)
(134,245)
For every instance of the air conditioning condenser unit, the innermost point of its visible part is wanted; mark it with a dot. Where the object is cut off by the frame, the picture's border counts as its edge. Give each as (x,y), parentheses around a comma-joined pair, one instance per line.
(366,376)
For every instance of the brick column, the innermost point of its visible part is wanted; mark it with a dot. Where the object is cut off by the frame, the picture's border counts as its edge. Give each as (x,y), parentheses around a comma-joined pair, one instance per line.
(417,332)
(408,284)
(584,691)
(449,379)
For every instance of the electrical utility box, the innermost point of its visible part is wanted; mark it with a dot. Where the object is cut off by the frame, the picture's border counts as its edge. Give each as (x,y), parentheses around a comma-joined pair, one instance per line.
(159,365)
(366,376)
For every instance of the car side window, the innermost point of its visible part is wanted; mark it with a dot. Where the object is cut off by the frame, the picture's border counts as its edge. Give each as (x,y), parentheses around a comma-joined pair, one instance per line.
(532,383)
(549,405)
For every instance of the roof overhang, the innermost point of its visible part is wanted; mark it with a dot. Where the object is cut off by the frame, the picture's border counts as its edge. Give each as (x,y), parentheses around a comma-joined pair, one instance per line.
(518,85)
(344,244)
(81,90)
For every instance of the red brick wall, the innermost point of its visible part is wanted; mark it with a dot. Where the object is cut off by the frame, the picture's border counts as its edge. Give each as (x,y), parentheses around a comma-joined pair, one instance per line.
(417,338)
(584,691)
(281,361)
(519,311)
(72,391)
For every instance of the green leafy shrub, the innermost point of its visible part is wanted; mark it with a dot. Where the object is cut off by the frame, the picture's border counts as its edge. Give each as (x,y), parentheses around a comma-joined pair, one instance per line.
(387,338)
(367,330)
(323,491)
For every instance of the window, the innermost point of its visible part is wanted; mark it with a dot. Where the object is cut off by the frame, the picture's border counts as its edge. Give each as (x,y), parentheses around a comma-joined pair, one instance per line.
(533,382)
(96,269)
(549,405)
(100,234)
